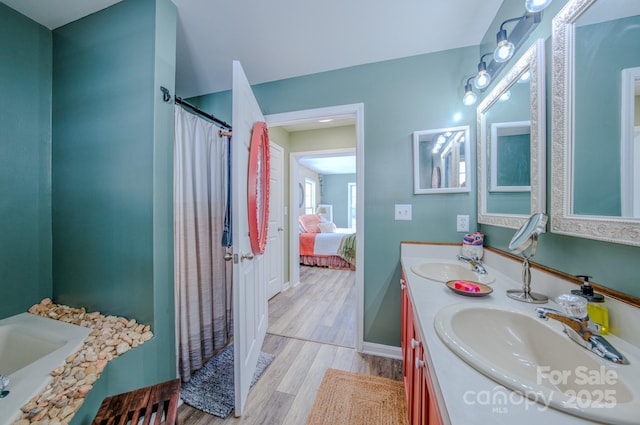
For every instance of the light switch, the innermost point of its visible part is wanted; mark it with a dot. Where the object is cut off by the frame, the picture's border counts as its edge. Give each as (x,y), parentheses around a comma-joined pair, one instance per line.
(403,212)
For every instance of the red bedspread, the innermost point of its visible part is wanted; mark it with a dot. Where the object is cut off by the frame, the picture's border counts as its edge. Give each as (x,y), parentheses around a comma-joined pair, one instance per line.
(307,242)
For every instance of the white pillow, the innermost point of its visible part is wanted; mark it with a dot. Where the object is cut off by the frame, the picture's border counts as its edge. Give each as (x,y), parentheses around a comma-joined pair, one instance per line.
(328,227)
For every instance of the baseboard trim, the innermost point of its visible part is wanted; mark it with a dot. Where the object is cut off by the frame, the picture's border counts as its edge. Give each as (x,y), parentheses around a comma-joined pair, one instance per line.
(382,350)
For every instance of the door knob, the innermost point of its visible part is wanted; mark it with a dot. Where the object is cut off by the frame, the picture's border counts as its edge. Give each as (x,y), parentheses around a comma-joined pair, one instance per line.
(246,256)
(228,256)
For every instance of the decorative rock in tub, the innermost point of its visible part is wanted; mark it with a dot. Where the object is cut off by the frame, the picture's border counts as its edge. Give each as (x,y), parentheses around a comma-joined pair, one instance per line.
(63,396)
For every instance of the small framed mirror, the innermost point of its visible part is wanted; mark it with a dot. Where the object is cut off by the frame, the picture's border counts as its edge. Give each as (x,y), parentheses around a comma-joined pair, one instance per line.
(511,144)
(441,160)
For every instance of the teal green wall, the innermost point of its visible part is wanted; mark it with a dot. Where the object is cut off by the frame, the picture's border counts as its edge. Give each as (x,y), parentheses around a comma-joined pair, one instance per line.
(25,162)
(598,76)
(103,91)
(513,160)
(399,96)
(334,191)
(611,265)
(87,207)
(112,180)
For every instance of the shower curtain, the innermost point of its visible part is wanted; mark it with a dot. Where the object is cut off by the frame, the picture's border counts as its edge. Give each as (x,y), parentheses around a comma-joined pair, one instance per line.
(202,277)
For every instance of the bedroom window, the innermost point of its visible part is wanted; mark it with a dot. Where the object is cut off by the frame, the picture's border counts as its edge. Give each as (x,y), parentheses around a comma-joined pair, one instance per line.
(309,196)
(351,219)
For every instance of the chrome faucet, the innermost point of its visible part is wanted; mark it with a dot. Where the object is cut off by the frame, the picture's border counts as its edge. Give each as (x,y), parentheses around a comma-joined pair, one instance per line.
(475,263)
(584,333)
(4,383)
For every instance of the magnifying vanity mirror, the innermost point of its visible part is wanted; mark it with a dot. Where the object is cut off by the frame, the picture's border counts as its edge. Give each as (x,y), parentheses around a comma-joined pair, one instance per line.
(441,160)
(511,144)
(596,121)
(525,237)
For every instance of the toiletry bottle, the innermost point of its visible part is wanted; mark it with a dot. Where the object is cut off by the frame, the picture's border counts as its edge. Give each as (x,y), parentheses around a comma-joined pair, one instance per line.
(596,309)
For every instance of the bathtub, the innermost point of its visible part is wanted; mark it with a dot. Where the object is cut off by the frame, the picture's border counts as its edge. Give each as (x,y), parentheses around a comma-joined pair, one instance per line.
(30,348)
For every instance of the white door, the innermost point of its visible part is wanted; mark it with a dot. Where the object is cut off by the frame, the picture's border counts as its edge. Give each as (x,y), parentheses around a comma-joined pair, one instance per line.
(249,281)
(274,252)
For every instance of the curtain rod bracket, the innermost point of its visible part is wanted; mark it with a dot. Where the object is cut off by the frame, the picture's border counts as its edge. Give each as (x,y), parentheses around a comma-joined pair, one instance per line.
(166,94)
(223,133)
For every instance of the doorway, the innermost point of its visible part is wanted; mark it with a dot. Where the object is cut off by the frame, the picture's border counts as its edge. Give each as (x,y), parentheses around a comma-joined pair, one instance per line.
(354,112)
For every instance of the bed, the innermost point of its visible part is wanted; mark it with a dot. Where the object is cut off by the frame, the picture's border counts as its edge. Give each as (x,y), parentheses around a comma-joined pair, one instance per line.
(322,244)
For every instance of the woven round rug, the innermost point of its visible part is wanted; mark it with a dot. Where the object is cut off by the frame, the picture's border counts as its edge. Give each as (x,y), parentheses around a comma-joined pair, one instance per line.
(348,398)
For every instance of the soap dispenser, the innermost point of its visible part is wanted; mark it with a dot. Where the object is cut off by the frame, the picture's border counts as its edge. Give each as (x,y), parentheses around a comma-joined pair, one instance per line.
(597,311)
(586,290)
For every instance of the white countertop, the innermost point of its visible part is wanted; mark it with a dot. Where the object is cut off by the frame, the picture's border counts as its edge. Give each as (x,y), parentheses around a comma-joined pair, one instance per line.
(465,395)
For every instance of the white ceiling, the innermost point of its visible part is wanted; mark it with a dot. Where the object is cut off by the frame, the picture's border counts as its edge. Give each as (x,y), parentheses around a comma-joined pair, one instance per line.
(326,164)
(280,39)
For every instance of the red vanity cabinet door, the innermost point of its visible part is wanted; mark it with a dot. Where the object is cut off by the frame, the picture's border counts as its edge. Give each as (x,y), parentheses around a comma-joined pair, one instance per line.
(422,405)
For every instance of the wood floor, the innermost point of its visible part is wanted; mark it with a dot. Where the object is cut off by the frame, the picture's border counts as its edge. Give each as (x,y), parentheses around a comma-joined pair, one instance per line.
(321,308)
(285,393)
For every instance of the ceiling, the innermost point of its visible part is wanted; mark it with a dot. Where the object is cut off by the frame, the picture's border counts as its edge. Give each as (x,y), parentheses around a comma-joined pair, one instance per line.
(280,39)
(329,164)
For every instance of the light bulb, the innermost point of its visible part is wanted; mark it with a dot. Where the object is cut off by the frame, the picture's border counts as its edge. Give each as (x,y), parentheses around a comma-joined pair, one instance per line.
(504,49)
(525,77)
(536,5)
(469,98)
(482,80)
(504,52)
(505,96)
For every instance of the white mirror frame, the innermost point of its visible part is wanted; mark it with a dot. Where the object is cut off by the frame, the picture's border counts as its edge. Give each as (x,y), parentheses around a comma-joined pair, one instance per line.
(609,229)
(533,60)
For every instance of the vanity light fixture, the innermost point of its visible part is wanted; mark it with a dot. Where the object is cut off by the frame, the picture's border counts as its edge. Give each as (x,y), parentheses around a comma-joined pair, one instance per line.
(469,96)
(483,78)
(536,5)
(524,78)
(505,48)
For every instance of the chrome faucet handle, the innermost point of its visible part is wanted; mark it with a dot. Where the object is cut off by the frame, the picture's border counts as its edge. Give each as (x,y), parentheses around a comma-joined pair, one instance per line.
(4,383)
(475,263)
(573,305)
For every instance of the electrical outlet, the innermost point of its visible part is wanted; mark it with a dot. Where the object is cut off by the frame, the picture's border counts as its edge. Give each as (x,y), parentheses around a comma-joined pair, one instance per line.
(462,223)
(403,212)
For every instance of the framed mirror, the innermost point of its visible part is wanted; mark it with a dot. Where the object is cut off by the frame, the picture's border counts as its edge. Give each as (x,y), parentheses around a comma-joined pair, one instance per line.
(596,115)
(441,160)
(510,158)
(511,144)
(258,179)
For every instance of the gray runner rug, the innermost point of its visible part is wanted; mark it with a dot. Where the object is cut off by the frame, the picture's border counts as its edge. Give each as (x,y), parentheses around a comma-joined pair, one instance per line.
(211,388)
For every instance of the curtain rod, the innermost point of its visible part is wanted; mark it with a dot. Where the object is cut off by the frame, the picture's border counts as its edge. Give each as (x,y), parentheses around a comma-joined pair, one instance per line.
(201,112)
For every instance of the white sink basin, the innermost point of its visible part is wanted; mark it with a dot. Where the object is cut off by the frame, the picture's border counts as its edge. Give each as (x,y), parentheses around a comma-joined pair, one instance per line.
(443,271)
(524,354)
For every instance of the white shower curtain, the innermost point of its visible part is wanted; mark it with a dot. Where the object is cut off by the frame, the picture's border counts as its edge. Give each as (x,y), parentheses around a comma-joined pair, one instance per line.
(202,277)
